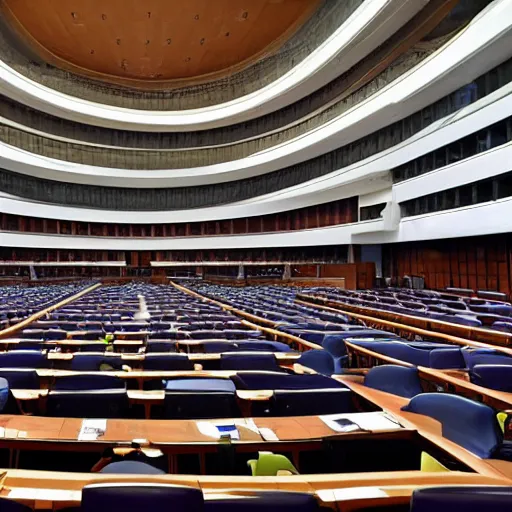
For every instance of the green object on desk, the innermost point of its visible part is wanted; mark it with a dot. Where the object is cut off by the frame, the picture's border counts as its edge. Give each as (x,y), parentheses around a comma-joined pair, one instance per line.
(268,464)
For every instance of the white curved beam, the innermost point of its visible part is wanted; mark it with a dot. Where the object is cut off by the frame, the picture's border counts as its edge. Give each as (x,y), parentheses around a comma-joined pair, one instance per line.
(369,175)
(334,235)
(486,42)
(366,29)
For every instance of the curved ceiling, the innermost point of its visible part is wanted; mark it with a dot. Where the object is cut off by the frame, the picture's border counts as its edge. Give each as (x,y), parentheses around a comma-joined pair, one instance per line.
(155,40)
(365,29)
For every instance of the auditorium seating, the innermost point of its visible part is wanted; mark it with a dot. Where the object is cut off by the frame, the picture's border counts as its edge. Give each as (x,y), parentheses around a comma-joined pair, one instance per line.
(397,380)
(469,499)
(465,422)
(468,311)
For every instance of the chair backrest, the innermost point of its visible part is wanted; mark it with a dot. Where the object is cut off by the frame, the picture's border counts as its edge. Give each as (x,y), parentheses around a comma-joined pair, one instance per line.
(20,378)
(265,502)
(91,362)
(249,361)
(311,402)
(335,345)
(135,497)
(398,350)
(200,405)
(493,376)
(394,379)
(485,356)
(468,499)
(167,362)
(88,382)
(89,404)
(470,424)
(444,358)
(23,359)
(319,360)
(9,505)
(131,467)
(284,381)
(217,347)
(160,346)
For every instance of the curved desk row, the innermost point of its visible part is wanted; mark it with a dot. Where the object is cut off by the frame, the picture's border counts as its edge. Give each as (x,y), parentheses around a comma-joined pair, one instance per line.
(451,380)
(450,332)
(56,490)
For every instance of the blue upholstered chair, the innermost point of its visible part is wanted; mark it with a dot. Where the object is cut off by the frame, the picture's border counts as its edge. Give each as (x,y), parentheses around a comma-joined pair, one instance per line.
(311,402)
(470,424)
(503,326)
(398,350)
(264,502)
(20,378)
(92,362)
(131,467)
(134,497)
(319,360)
(160,346)
(394,379)
(249,361)
(243,380)
(167,362)
(199,398)
(217,347)
(485,356)
(55,334)
(104,403)
(468,499)
(444,358)
(492,376)
(88,382)
(23,359)
(336,347)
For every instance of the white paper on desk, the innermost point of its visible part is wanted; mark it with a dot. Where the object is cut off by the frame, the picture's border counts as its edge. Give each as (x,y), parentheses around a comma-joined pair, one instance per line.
(248,423)
(372,421)
(216,430)
(92,429)
(268,434)
(350,493)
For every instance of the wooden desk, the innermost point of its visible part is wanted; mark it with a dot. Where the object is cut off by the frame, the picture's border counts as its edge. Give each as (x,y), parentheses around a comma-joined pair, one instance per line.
(428,428)
(347,492)
(175,437)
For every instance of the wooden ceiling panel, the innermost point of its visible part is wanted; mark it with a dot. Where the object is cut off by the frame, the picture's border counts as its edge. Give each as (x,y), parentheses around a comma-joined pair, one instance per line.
(155,40)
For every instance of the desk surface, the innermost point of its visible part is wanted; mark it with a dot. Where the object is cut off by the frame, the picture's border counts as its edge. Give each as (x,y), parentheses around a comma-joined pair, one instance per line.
(43,489)
(428,428)
(179,432)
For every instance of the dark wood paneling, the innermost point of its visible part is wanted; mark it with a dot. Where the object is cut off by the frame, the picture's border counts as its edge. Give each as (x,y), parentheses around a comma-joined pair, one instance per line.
(475,262)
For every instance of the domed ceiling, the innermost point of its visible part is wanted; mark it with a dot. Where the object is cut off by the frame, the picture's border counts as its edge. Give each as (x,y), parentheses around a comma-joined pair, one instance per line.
(133,42)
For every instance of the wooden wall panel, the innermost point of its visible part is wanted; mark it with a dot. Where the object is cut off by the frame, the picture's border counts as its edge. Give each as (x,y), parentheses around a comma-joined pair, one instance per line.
(479,262)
